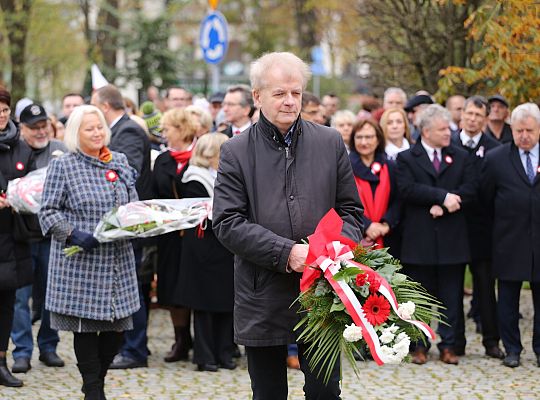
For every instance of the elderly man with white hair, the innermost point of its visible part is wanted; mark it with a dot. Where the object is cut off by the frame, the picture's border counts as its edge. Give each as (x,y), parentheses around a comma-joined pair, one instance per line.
(275,182)
(394,97)
(511,188)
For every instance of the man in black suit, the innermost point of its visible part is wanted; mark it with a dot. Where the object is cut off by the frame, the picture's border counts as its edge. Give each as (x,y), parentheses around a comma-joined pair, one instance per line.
(477,144)
(435,183)
(129,138)
(511,189)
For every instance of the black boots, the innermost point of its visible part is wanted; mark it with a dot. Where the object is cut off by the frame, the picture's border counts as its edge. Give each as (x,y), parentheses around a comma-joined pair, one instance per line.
(92,384)
(180,349)
(6,378)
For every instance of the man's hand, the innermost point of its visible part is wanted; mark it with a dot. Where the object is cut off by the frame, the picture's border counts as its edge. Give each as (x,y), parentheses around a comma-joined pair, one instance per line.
(297,258)
(436,211)
(3,202)
(452,202)
(376,229)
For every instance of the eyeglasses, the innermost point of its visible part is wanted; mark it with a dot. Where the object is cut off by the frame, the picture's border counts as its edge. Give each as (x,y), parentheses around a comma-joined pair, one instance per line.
(366,137)
(6,110)
(229,104)
(38,127)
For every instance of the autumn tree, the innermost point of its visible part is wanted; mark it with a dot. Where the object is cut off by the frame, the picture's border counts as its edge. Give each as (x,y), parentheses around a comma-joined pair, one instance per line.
(16,18)
(508,62)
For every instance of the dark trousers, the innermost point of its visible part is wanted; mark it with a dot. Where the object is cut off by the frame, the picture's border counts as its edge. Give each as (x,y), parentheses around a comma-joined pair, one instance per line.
(136,340)
(213,339)
(508,312)
(267,367)
(486,304)
(7,302)
(445,282)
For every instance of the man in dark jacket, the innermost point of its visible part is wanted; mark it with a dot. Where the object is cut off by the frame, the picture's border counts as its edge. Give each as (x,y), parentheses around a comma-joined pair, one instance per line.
(477,144)
(275,182)
(129,138)
(435,180)
(34,128)
(511,189)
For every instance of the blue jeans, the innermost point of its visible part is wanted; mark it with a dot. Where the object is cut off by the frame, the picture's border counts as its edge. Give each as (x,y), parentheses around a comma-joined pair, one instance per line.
(21,331)
(136,340)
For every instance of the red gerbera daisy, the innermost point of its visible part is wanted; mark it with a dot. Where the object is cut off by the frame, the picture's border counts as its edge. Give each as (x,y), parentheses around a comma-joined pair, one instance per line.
(377,309)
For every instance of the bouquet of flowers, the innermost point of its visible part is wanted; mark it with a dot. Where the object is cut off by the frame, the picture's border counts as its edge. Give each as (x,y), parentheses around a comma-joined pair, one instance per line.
(357,301)
(147,218)
(24,194)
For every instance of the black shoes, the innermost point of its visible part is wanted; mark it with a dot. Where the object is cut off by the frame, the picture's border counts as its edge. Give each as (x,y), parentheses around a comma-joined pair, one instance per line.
(207,367)
(21,365)
(123,362)
(6,379)
(51,359)
(511,360)
(494,352)
(228,365)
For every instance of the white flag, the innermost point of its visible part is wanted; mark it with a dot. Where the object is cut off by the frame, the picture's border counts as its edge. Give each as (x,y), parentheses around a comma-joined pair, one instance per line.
(98,80)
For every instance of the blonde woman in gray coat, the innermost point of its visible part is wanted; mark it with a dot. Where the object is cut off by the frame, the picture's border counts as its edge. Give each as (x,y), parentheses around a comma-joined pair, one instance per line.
(92,293)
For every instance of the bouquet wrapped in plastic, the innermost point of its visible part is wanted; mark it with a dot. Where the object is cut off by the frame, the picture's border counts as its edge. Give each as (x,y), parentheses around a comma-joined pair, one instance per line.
(24,194)
(355,300)
(147,218)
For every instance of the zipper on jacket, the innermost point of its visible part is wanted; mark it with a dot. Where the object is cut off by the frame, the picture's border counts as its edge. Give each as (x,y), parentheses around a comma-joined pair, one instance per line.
(287,152)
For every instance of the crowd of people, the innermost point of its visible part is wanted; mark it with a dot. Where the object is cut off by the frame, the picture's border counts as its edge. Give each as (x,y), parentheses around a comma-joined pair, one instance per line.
(442,186)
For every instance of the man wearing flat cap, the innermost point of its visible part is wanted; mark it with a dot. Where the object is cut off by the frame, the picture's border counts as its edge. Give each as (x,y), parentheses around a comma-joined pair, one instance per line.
(34,125)
(497,127)
(413,108)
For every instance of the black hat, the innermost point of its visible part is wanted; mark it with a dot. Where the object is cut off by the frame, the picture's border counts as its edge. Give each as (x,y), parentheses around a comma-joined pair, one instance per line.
(416,101)
(217,97)
(499,98)
(32,114)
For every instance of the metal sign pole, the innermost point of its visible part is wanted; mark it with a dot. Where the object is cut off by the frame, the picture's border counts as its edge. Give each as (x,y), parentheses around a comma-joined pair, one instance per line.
(215,77)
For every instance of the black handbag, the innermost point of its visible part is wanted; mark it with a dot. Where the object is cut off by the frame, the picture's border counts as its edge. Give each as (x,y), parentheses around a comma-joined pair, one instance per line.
(26,228)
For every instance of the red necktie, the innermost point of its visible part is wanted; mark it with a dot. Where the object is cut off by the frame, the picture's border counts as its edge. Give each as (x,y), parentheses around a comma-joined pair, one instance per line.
(237,132)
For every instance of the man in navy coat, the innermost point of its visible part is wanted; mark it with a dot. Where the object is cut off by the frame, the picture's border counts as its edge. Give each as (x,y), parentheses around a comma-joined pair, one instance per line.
(477,144)
(511,189)
(436,180)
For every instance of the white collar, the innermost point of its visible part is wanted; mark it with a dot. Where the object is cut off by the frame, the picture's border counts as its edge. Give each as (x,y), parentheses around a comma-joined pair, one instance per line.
(392,150)
(465,138)
(431,150)
(241,128)
(115,121)
(533,152)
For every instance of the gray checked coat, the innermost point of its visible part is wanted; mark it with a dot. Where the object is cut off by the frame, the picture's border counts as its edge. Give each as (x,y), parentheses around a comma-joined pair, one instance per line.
(100,284)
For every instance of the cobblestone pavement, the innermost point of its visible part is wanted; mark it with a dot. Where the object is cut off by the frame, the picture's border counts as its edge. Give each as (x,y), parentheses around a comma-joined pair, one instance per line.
(476,377)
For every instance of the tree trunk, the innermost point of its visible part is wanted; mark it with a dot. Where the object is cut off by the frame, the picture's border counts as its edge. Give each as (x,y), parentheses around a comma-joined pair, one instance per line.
(16,19)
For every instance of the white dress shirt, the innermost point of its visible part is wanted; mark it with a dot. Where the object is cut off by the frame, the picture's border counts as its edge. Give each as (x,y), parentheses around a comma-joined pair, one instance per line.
(533,153)
(465,139)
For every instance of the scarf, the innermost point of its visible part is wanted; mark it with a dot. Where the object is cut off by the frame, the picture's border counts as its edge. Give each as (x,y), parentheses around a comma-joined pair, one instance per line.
(105,155)
(375,205)
(182,156)
(10,135)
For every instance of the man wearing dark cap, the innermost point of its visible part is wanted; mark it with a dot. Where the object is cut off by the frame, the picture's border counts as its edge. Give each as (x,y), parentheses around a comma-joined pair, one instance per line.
(34,126)
(497,127)
(216,101)
(413,108)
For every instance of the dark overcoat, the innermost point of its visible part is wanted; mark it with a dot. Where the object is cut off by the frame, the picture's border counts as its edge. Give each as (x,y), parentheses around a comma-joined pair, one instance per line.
(515,204)
(166,185)
(15,257)
(479,221)
(267,198)
(206,272)
(129,138)
(427,240)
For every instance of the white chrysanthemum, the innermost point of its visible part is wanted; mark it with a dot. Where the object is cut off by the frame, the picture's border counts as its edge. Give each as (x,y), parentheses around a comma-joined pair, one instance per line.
(352,333)
(401,347)
(389,356)
(386,336)
(406,310)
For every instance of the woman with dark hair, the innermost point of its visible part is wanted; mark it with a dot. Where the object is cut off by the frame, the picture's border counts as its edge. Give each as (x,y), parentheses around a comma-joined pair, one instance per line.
(374,176)
(15,256)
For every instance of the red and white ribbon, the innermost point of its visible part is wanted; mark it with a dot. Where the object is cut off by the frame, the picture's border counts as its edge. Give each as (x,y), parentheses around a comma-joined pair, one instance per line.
(330,264)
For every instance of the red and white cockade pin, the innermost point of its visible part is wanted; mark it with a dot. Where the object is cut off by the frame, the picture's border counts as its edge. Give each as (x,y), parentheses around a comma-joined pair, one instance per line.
(111,175)
(376,168)
(19,166)
(448,159)
(538,170)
